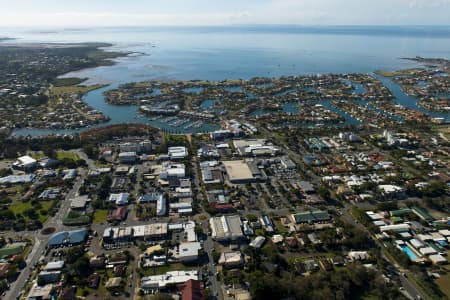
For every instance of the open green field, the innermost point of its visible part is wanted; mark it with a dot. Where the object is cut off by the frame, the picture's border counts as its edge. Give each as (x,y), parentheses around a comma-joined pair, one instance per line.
(20,207)
(64,154)
(100,216)
(37,155)
(397,73)
(68,81)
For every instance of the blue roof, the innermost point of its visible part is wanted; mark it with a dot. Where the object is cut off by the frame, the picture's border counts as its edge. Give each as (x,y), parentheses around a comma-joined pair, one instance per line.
(443,243)
(17,179)
(68,237)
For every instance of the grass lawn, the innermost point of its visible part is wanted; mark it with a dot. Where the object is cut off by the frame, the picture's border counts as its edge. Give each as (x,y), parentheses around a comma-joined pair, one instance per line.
(102,165)
(100,216)
(101,291)
(60,91)
(396,73)
(64,154)
(19,207)
(37,155)
(259,232)
(281,229)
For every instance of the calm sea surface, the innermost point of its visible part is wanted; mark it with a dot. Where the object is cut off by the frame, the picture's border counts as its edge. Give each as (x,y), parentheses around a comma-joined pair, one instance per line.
(219,53)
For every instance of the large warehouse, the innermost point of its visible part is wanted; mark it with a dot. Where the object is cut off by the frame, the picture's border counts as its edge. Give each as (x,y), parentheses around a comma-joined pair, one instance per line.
(226,228)
(238,171)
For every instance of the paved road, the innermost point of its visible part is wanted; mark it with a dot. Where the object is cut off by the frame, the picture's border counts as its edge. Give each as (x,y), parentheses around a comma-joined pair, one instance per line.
(410,288)
(215,284)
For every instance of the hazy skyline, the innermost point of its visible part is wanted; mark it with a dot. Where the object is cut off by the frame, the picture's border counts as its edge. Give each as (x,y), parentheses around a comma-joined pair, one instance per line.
(231,12)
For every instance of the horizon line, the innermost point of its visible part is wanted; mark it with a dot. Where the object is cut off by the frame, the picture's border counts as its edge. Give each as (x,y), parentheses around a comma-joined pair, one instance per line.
(74,27)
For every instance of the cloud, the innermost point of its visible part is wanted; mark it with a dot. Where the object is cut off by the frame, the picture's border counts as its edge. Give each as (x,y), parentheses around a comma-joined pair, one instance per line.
(428,3)
(225,12)
(111,18)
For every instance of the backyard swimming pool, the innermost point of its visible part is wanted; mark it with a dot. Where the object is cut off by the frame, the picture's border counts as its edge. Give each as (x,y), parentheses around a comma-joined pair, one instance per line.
(408,252)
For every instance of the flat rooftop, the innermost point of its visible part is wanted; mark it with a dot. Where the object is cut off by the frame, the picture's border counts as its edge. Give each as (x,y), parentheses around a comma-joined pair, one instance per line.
(238,170)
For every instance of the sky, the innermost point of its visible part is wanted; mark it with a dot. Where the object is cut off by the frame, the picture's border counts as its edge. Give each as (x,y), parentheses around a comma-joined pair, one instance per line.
(86,13)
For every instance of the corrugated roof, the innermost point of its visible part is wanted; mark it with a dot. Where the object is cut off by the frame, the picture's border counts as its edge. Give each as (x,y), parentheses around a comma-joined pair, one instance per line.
(68,237)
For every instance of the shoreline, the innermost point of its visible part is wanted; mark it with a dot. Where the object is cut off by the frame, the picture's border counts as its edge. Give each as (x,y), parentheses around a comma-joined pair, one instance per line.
(61,105)
(111,58)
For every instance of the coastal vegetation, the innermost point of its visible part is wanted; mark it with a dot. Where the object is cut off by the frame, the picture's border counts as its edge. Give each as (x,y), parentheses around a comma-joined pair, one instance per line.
(33,95)
(406,72)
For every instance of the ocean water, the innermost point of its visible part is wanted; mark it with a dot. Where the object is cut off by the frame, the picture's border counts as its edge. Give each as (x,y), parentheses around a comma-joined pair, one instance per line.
(218,53)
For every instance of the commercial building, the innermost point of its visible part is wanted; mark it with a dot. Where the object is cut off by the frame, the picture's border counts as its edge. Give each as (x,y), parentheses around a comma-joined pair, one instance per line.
(49,276)
(159,198)
(119,199)
(183,208)
(159,282)
(396,227)
(25,163)
(138,147)
(68,238)
(226,228)
(40,292)
(12,179)
(221,134)
(189,251)
(150,231)
(54,266)
(208,152)
(255,147)
(306,187)
(113,235)
(172,171)
(231,259)
(239,172)
(127,157)
(211,172)
(175,153)
(287,163)
(79,203)
(191,290)
(314,216)
(258,242)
